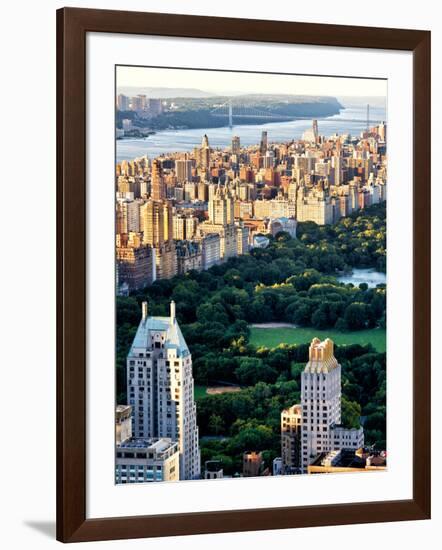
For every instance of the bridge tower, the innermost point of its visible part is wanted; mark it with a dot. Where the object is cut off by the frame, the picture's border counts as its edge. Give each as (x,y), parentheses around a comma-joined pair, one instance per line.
(230,114)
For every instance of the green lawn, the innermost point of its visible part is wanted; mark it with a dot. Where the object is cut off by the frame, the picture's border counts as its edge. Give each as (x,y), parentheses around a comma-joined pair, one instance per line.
(272,337)
(200,391)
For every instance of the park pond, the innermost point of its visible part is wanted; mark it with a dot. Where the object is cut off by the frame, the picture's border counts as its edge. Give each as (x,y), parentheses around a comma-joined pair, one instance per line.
(369,276)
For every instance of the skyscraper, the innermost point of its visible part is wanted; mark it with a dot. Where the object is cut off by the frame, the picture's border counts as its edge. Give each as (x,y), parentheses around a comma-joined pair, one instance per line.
(204,152)
(321,406)
(152,223)
(135,262)
(205,141)
(158,191)
(155,107)
(312,134)
(122,102)
(127,216)
(221,208)
(156,223)
(263,143)
(236,145)
(315,130)
(161,390)
(183,170)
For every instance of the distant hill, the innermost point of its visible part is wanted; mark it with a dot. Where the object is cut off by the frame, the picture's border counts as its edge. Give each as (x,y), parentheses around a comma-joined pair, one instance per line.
(373,101)
(201,112)
(162,93)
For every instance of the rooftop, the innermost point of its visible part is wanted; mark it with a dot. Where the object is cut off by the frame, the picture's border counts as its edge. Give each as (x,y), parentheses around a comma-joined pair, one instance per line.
(150,444)
(344,458)
(321,356)
(174,338)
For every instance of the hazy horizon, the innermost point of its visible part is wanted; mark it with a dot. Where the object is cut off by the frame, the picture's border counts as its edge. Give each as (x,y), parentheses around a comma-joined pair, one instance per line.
(196,80)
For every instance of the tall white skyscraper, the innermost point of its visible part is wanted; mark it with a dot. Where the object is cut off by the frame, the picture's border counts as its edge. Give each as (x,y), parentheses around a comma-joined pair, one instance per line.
(321,406)
(160,388)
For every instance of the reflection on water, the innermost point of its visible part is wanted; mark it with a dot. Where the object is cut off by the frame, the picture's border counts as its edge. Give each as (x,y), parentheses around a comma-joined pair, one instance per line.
(369,276)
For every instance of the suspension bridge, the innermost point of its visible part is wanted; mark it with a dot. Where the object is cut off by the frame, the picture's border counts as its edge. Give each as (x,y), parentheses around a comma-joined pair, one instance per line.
(231,111)
(228,110)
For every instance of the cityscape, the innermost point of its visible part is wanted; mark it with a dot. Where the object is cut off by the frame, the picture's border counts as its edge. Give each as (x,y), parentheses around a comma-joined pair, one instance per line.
(250,280)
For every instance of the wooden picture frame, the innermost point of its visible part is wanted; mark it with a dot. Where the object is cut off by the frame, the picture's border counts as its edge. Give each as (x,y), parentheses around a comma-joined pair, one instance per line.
(72,27)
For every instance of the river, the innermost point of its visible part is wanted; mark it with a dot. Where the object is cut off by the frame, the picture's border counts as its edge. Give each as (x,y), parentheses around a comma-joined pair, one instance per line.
(170,141)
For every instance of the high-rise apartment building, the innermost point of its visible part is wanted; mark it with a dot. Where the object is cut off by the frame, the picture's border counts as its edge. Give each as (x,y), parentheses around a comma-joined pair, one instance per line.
(135,262)
(155,107)
(315,130)
(128,216)
(321,406)
(291,422)
(268,160)
(156,223)
(183,170)
(312,134)
(314,204)
(242,238)
(320,399)
(236,145)
(221,208)
(144,460)
(160,388)
(122,102)
(190,191)
(263,143)
(204,153)
(210,249)
(139,103)
(179,227)
(158,189)
(141,460)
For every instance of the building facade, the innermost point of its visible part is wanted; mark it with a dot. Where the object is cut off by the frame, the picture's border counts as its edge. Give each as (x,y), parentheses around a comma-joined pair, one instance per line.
(291,422)
(160,388)
(210,249)
(252,464)
(321,406)
(135,262)
(189,256)
(142,460)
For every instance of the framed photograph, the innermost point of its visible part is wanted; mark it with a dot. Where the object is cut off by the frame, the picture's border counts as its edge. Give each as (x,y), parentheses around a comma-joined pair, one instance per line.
(236,199)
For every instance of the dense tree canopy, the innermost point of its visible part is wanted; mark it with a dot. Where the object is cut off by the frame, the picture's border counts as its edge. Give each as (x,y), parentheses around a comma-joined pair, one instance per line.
(292,280)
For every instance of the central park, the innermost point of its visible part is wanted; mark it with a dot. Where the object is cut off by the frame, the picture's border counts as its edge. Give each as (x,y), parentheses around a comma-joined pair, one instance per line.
(246,374)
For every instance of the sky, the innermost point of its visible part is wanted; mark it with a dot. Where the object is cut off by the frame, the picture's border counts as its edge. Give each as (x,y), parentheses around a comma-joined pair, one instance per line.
(226,83)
